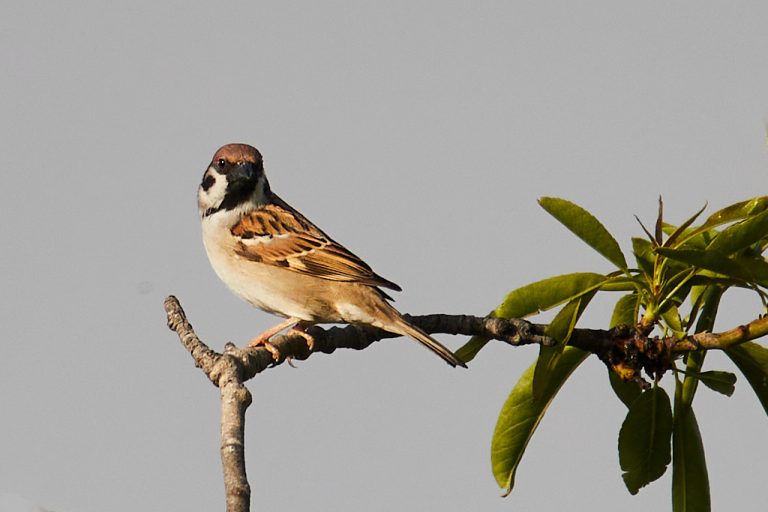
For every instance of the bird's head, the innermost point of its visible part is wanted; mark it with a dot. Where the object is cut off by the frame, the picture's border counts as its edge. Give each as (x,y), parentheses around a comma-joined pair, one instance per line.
(233,180)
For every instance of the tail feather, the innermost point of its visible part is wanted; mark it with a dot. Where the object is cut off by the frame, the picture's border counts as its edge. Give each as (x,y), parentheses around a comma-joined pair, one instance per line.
(406,329)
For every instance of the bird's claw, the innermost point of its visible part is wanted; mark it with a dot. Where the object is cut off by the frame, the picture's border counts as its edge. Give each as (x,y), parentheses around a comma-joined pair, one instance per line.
(260,342)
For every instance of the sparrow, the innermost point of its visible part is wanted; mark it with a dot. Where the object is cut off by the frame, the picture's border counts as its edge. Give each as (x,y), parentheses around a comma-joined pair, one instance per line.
(273,257)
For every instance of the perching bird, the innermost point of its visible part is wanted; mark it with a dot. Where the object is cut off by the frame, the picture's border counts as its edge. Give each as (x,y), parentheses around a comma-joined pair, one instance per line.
(273,257)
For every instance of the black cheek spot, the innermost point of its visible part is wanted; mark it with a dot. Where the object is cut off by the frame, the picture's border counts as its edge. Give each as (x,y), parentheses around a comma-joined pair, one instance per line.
(208,182)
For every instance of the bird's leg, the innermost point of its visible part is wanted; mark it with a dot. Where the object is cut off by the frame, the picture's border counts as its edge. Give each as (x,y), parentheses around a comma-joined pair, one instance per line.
(262,340)
(299,329)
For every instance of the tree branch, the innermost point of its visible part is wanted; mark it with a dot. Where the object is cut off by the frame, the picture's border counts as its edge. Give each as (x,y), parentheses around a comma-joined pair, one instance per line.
(724,340)
(292,346)
(627,351)
(226,372)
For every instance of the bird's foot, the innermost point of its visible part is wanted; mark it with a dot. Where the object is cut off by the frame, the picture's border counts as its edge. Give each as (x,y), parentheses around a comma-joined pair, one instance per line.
(261,341)
(299,329)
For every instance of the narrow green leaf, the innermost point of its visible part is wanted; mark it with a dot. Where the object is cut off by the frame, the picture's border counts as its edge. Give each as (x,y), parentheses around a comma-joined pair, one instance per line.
(644,439)
(658,231)
(695,238)
(470,349)
(584,225)
(681,230)
(694,361)
(697,297)
(677,287)
(690,480)
(627,391)
(643,251)
(522,413)
(741,235)
(651,238)
(625,311)
(749,270)
(710,304)
(560,328)
(752,361)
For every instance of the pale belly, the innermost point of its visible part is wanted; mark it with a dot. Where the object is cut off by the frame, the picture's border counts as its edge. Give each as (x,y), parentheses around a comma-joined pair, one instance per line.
(277,291)
(288,293)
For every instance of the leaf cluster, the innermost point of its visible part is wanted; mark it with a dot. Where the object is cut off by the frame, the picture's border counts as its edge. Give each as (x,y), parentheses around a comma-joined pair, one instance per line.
(674,287)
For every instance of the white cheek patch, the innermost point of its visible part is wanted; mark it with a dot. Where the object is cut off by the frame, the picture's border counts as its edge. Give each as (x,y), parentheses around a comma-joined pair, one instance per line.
(214,195)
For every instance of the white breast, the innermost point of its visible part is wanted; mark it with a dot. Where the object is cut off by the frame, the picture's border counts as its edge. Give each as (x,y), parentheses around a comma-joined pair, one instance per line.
(267,287)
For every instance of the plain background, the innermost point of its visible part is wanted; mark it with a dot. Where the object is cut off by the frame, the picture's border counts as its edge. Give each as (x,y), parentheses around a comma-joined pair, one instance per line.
(420,135)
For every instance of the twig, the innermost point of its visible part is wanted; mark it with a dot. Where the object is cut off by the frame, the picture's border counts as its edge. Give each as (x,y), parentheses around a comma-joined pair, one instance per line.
(625,350)
(226,372)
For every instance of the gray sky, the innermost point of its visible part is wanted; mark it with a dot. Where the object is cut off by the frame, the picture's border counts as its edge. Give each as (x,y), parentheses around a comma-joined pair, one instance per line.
(418,134)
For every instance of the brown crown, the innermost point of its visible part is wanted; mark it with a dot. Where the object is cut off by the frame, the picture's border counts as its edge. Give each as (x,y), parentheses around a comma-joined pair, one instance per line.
(238,153)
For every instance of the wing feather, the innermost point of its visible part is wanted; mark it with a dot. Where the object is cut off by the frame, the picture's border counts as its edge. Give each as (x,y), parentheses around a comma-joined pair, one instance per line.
(276,234)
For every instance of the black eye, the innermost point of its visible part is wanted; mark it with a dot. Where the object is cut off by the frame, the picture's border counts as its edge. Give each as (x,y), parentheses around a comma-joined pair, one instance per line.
(222,163)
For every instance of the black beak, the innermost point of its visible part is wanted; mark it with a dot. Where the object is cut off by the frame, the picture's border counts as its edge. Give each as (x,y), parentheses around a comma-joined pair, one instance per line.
(243,171)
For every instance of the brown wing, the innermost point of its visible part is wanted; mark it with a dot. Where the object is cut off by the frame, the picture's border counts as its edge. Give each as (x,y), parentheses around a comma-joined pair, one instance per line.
(276,234)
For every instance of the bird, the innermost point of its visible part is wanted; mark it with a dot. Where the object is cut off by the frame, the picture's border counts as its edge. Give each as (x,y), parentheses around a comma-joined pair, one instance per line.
(274,258)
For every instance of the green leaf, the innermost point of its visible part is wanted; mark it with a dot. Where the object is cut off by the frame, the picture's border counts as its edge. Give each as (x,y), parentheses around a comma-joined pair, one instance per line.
(658,231)
(691,238)
(737,211)
(710,304)
(690,480)
(741,235)
(752,361)
(547,293)
(560,328)
(651,238)
(622,283)
(671,318)
(534,298)
(671,241)
(643,251)
(747,269)
(470,349)
(722,382)
(584,225)
(627,391)
(732,213)
(644,439)
(697,297)
(694,361)
(522,413)
(677,287)
(625,311)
